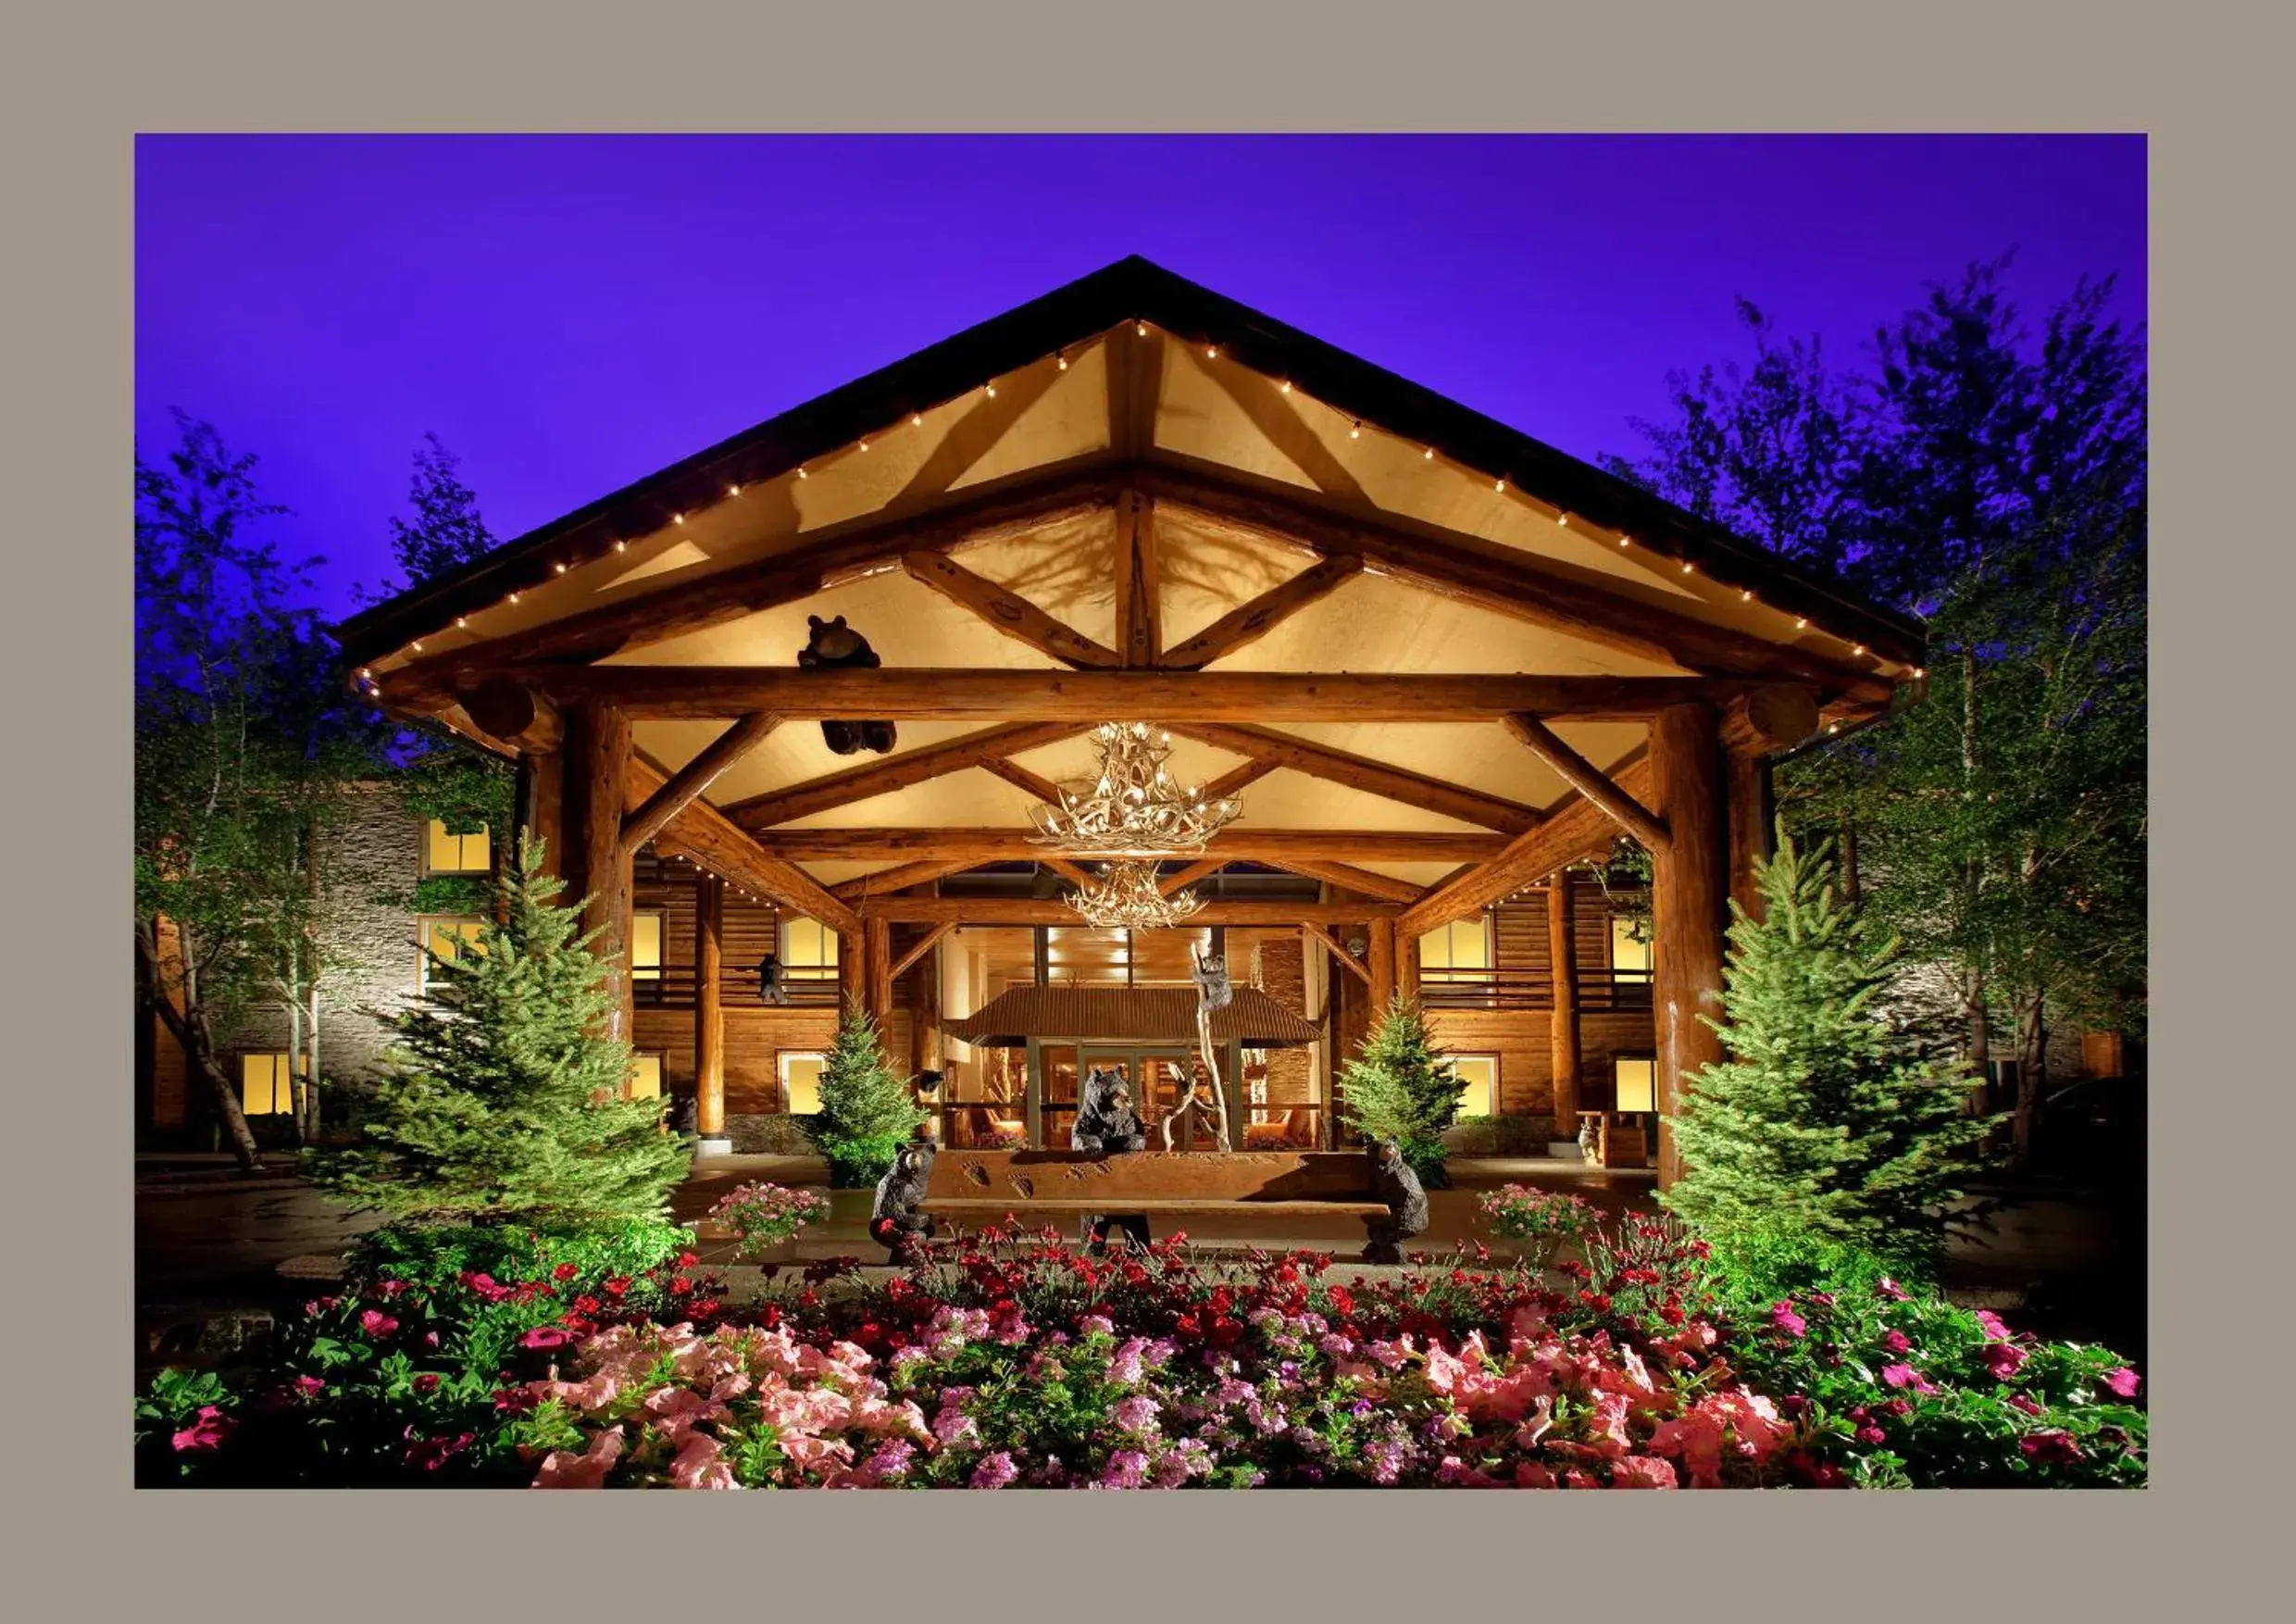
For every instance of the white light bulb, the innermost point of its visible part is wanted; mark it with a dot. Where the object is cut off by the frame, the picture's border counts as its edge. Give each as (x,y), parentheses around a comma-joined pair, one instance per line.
(734,490)
(1064,363)
(992,388)
(678,519)
(1800,623)
(1688,567)
(1430,454)
(1287,386)
(559,567)
(514,597)
(1211,352)
(1498,484)
(1746,596)
(1356,431)
(1141,328)
(462,620)
(415,646)
(621,546)
(917,419)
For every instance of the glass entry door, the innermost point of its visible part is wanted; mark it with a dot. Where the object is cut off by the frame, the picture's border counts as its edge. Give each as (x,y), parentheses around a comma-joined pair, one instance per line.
(1159,1079)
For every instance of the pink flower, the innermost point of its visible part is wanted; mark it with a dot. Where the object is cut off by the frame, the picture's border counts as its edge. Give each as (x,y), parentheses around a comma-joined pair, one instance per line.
(1989,1322)
(1128,1468)
(1889,1289)
(1137,1413)
(562,1469)
(995,1471)
(208,1431)
(1896,1342)
(546,1336)
(431,1454)
(1530,1474)
(1641,1471)
(2123,1381)
(375,1322)
(311,1386)
(2020,1402)
(1905,1376)
(2004,1359)
(1787,1320)
(2052,1447)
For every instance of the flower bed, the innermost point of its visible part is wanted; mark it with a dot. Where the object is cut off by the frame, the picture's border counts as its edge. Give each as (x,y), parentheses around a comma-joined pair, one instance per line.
(1010,1359)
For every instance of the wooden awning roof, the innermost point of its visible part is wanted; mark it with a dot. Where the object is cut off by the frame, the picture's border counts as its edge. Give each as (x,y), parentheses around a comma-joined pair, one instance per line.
(1144,1015)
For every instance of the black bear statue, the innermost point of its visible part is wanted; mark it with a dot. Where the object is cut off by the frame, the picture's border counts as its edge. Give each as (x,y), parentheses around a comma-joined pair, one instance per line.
(894,1221)
(1393,1182)
(837,646)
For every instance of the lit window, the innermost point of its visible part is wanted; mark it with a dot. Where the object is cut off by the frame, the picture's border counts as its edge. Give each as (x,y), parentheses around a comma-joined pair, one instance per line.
(1629,959)
(1459,952)
(1636,1076)
(646,1077)
(808,950)
(266,1085)
(645,945)
(448,935)
(1481,1073)
(457,854)
(801,1083)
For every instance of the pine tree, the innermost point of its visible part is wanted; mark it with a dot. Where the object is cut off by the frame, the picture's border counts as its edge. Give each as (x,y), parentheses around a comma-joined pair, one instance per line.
(500,1102)
(867,1111)
(1821,1118)
(1400,1087)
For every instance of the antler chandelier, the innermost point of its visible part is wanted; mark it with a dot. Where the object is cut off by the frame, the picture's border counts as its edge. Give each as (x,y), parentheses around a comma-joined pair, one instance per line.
(1134,806)
(1126,896)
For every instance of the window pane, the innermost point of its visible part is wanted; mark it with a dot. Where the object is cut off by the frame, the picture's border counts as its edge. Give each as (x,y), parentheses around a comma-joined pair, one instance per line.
(808,948)
(1481,1073)
(1629,959)
(1638,1082)
(457,854)
(646,1077)
(448,936)
(801,1083)
(1435,950)
(265,1085)
(1470,944)
(645,946)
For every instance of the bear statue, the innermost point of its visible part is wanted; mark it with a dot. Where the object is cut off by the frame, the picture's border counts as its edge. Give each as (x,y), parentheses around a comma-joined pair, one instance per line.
(837,646)
(685,1116)
(1213,990)
(770,987)
(1393,1182)
(895,1223)
(1107,1125)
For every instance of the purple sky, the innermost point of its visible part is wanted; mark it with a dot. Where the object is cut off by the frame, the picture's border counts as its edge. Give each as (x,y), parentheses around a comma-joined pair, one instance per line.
(571,314)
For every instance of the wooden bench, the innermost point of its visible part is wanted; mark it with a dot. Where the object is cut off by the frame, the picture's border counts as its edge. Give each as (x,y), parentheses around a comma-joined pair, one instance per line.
(976,1187)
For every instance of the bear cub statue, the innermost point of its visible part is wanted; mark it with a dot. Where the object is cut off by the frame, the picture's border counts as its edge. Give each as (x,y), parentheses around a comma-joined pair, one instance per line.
(1393,1182)
(837,646)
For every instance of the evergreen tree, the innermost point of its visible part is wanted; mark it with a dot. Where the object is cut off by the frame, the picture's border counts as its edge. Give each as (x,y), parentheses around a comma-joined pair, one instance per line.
(500,1103)
(1400,1087)
(867,1112)
(446,532)
(1821,1118)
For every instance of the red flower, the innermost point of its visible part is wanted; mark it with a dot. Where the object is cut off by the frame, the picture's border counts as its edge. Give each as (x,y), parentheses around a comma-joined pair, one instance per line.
(617,1285)
(2052,1447)
(208,1431)
(1787,1320)
(431,1454)
(687,1260)
(309,1386)
(565,1271)
(546,1336)
(375,1322)
(2123,1381)
(1343,1300)
(681,1287)
(1889,1289)
(427,1382)
(2004,1359)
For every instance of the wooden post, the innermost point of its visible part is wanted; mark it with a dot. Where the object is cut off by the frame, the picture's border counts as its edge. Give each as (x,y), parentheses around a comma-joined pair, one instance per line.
(595,864)
(1407,963)
(877,958)
(1688,896)
(1562,955)
(1753,826)
(541,810)
(1382,967)
(709,1011)
(851,970)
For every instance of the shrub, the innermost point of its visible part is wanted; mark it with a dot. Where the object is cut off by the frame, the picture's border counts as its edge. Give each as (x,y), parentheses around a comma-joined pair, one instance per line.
(1540,1221)
(763,1214)
(500,1104)
(1400,1087)
(866,1110)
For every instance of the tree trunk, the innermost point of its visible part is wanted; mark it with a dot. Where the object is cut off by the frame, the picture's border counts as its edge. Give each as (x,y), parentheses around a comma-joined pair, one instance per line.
(1850,891)
(190,1026)
(2032,1076)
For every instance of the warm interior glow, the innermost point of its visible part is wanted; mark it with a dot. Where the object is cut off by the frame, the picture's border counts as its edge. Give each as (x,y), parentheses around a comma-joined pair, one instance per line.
(1481,1073)
(645,945)
(266,1087)
(1458,952)
(1637,1080)
(457,854)
(801,1083)
(1629,959)
(646,1077)
(448,935)
(808,949)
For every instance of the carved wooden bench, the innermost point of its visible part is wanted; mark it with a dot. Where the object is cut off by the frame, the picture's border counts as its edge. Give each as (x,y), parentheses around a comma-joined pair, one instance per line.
(977,1187)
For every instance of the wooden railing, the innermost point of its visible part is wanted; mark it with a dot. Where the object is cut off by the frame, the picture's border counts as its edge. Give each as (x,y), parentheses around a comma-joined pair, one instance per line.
(1600,991)
(675,987)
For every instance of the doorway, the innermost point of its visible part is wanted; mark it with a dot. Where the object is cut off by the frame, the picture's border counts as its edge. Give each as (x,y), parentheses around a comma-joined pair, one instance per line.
(1159,1077)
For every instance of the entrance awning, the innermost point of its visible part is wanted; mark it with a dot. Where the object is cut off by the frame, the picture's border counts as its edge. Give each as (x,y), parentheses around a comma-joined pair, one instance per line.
(1146,1015)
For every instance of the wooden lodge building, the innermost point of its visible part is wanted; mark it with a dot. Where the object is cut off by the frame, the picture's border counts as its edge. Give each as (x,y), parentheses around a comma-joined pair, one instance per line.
(1439,663)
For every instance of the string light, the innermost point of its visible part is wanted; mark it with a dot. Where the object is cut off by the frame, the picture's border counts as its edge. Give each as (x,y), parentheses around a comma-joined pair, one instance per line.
(462,620)
(678,519)
(801,471)
(1857,648)
(1064,363)
(621,546)
(1430,454)
(864,445)
(366,673)
(1498,484)
(415,646)
(734,490)
(1746,596)
(1355,430)
(559,567)
(1141,328)
(917,419)
(1800,623)
(1688,566)
(1921,670)
(1623,541)
(513,598)
(992,388)
(1287,386)
(1563,519)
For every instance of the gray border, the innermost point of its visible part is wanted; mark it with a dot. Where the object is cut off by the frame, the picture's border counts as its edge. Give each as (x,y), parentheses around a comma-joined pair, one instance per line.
(88,77)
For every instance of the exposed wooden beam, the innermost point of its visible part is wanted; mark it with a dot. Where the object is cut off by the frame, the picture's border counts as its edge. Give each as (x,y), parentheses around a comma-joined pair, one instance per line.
(1509,579)
(1568,836)
(925,693)
(1010,613)
(680,606)
(1020,778)
(931,940)
(1172,885)
(1067,870)
(715,842)
(1357,773)
(1309,928)
(899,878)
(1006,845)
(1024,910)
(1236,778)
(1351,879)
(696,777)
(1255,620)
(894,772)
(1590,780)
(516,715)
(1139,609)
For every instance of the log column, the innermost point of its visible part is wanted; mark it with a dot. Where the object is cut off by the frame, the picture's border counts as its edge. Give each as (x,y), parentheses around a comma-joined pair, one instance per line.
(709,1011)
(1407,965)
(1562,955)
(1381,965)
(877,979)
(595,865)
(1689,899)
(541,811)
(1753,826)
(851,970)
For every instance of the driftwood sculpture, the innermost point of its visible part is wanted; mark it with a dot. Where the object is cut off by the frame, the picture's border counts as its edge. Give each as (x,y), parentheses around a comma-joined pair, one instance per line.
(1212,992)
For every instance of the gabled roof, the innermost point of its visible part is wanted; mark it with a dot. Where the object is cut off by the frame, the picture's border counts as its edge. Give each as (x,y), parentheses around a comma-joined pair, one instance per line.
(1130,290)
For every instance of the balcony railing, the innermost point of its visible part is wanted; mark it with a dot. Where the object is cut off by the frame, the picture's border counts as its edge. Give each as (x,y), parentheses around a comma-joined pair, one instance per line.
(1601,992)
(675,987)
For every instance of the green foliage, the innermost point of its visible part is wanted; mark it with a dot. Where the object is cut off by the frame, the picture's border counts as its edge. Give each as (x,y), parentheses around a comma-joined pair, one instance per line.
(1820,1115)
(866,1109)
(446,532)
(434,1256)
(1399,1086)
(500,1102)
